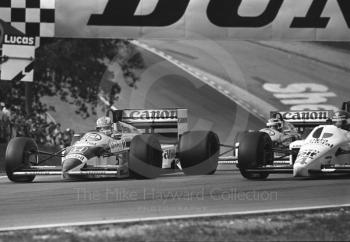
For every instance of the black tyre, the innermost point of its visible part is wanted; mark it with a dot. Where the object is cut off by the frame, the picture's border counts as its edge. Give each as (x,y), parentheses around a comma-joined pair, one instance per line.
(255,150)
(145,157)
(199,152)
(21,153)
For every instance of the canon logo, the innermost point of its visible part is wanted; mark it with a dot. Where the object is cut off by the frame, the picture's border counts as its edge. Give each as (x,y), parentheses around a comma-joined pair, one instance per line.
(321,115)
(222,13)
(153,114)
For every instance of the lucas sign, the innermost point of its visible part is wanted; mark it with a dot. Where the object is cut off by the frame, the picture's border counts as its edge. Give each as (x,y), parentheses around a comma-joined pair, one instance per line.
(215,19)
(18,54)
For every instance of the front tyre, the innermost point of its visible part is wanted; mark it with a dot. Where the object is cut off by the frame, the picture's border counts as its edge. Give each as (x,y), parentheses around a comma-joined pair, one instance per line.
(255,150)
(199,152)
(145,157)
(21,153)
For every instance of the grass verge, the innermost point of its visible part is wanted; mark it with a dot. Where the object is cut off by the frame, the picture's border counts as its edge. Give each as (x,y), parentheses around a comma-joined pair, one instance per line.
(315,225)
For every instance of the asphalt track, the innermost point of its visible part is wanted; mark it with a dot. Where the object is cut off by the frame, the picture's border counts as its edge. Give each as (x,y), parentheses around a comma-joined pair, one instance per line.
(50,201)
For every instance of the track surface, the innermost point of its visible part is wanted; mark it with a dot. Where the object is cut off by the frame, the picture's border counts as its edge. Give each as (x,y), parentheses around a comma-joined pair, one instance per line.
(49,200)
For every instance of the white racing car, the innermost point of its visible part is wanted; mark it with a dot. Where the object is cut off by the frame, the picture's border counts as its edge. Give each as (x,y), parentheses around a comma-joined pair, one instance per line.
(151,140)
(324,150)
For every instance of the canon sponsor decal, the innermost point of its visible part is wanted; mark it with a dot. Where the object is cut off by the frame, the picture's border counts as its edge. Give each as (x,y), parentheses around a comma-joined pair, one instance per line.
(150,115)
(306,116)
(224,19)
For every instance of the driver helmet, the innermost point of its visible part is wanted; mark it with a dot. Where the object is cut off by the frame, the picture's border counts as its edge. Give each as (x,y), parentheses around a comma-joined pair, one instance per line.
(275,123)
(104,125)
(339,119)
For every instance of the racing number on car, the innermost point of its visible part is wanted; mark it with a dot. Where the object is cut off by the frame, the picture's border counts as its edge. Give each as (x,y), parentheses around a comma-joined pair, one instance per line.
(222,13)
(78,149)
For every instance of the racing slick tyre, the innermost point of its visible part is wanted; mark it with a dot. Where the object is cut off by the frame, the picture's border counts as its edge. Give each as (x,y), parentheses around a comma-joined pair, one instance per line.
(199,152)
(255,150)
(20,153)
(145,157)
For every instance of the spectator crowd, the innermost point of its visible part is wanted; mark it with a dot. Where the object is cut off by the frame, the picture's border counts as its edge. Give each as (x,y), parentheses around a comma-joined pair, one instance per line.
(14,123)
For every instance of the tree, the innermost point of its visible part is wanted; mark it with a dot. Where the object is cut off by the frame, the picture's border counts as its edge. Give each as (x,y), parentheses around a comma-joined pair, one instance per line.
(73,68)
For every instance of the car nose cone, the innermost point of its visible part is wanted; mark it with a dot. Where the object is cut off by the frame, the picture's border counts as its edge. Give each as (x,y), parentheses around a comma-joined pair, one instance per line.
(70,164)
(300,170)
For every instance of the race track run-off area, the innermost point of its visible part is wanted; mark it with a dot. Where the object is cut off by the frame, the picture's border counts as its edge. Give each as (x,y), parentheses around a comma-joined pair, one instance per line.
(263,73)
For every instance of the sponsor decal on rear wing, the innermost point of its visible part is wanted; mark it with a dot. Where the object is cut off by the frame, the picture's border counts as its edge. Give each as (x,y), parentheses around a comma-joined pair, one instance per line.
(153,116)
(167,120)
(304,117)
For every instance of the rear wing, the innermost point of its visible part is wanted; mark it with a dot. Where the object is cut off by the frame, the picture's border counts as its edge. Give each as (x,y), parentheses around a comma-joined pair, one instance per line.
(304,118)
(168,123)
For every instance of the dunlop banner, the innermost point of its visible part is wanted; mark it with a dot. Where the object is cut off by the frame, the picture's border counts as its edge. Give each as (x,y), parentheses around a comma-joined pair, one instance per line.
(314,20)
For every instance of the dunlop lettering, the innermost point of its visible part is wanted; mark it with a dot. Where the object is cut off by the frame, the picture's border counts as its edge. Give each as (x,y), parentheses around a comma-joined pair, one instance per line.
(224,13)
(221,13)
(313,17)
(122,13)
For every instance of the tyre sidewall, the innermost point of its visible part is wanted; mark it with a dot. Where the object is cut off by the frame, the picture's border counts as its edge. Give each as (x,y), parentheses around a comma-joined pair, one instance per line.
(145,157)
(255,150)
(199,152)
(16,158)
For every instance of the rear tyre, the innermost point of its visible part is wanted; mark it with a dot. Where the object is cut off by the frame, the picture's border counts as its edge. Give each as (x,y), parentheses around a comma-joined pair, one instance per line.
(21,153)
(199,152)
(255,150)
(145,158)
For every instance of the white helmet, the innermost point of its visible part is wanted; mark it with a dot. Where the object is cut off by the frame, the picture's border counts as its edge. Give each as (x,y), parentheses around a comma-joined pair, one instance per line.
(339,119)
(104,125)
(275,123)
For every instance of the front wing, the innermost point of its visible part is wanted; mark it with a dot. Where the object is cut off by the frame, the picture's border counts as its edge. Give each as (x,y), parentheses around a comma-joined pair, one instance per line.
(288,169)
(57,170)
